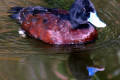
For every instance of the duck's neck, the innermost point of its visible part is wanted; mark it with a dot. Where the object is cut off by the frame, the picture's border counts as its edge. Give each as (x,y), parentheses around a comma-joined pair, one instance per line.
(83,26)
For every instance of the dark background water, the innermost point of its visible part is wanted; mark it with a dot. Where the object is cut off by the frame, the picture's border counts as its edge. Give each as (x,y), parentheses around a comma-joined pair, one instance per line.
(31,59)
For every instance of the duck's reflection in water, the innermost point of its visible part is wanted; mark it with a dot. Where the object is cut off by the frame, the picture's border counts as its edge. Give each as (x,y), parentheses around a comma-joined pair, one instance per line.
(80,66)
(49,67)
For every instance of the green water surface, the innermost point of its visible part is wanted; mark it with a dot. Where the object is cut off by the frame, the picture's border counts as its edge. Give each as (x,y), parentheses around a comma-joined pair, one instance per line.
(31,59)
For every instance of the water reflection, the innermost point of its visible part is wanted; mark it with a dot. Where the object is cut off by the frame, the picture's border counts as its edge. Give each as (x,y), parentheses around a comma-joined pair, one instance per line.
(9,37)
(83,67)
(73,66)
(50,67)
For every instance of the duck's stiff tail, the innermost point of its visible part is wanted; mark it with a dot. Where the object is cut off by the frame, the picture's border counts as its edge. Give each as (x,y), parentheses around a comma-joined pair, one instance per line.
(15,11)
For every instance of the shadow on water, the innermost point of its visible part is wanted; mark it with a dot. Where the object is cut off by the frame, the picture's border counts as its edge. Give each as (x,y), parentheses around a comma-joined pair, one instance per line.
(31,59)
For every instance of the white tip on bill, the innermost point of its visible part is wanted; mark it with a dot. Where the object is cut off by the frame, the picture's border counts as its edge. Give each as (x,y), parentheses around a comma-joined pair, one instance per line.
(96,21)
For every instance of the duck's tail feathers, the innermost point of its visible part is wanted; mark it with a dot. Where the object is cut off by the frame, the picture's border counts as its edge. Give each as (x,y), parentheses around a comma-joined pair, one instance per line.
(15,12)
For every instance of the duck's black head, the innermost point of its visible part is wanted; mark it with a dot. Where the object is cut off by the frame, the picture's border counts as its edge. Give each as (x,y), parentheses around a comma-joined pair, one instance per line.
(82,12)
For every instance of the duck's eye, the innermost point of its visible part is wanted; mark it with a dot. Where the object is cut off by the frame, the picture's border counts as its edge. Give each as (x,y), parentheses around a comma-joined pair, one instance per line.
(83,9)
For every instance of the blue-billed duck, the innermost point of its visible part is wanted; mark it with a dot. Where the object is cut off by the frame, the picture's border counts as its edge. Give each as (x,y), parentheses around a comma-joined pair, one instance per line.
(58,26)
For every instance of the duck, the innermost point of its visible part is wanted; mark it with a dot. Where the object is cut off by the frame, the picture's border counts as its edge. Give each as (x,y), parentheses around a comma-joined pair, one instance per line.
(58,26)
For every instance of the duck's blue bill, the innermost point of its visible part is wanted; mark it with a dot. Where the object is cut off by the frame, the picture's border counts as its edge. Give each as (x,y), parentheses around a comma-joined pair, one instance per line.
(93,70)
(95,20)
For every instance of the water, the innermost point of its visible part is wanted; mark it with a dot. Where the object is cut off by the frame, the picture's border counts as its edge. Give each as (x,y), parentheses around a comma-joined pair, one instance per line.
(31,59)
